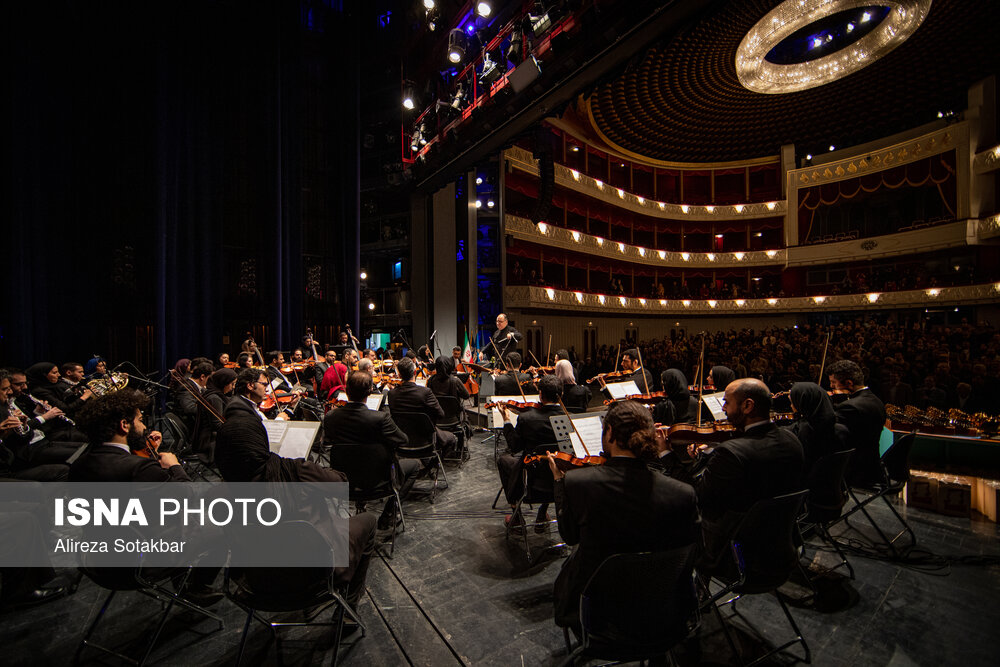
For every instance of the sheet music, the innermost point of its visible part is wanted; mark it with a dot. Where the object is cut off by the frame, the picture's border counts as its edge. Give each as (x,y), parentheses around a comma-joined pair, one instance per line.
(276,382)
(619,390)
(496,419)
(340,395)
(374,401)
(420,382)
(291,440)
(590,430)
(714,404)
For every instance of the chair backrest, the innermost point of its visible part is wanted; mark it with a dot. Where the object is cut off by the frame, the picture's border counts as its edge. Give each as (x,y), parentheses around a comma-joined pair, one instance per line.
(417,426)
(826,486)
(897,459)
(763,544)
(175,433)
(368,468)
(639,604)
(284,588)
(452,410)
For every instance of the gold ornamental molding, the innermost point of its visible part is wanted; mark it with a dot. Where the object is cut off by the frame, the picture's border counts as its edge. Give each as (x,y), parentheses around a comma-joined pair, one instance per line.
(547,298)
(986,161)
(984,228)
(559,237)
(935,143)
(522,160)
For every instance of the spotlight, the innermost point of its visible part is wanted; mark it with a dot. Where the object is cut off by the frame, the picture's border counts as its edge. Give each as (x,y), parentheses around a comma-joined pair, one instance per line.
(458,100)
(429,4)
(490,203)
(514,53)
(850,27)
(364,276)
(479,180)
(809,156)
(409,95)
(424,131)
(371,306)
(457,41)
(479,203)
(491,71)
(415,141)
(484,8)
(433,16)
(542,18)
(832,147)
(866,17)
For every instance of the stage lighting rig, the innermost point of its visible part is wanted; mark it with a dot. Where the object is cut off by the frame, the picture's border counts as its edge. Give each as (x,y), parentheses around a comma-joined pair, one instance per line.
(491,72)
(457,43)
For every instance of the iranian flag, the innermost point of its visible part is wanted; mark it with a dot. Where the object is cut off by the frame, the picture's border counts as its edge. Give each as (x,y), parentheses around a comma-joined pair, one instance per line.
(467,349)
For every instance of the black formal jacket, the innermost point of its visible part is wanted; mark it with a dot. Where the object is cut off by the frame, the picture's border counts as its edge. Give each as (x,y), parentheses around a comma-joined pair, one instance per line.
(505,345)
(619,507)
(354,423)
(411,397)
(863,413)
(107,463)
(764,462)
(576,397)
(506,385)
(642,384)
(447,386)
(533,429)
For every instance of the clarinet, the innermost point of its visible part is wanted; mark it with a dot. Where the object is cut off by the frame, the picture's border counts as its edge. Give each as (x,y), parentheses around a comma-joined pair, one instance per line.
(22,427)
(47,407)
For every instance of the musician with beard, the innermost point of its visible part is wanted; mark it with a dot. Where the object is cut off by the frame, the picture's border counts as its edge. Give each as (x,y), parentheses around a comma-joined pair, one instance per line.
(116,430)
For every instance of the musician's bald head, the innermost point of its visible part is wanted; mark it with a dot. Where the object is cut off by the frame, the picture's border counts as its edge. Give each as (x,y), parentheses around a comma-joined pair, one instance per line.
(747,400)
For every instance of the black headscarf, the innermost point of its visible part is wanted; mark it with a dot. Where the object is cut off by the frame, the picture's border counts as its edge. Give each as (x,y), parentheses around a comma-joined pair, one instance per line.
(677,394)
(444,366)
(721,377)
(813,405)
(219,380)
(37,373)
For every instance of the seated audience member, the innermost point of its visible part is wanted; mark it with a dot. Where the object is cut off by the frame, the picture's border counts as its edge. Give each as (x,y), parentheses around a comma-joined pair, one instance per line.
(619,507)
(355,424)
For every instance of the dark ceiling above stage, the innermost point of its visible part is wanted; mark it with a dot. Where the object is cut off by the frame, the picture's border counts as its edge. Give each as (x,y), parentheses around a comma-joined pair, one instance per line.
(681,100)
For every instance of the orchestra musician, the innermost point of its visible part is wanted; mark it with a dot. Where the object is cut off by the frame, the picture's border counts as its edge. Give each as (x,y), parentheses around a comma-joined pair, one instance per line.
(243,455)
(816,424)
(445,382)
(221,360)
(506,338)
(863,413)
(507,382)
(643,378)
(11,428)
(619,507)
(335,377)
(677,405)
(408,396)
(762,461)
(576,397)
(533,429)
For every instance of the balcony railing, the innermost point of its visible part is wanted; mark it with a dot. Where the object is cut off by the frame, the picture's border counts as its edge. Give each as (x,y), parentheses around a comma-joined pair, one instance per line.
(548,298)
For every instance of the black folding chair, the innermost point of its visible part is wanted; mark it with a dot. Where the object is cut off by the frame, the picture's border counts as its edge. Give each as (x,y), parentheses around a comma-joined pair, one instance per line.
(310,590)
(764,554)
(419,429)
(454,422)
(537,490)
(151,582)
(827,495)
(637,606)
(896,473)
(371,476)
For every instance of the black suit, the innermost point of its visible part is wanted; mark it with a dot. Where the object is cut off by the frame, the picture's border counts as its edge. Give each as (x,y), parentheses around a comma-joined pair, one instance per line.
(354,423)
(764,462)
(864,416)
(504,344)
(108,463)
(533,429)
(576,397)
(619,507)
(642,384)
(411,397)
(506,385)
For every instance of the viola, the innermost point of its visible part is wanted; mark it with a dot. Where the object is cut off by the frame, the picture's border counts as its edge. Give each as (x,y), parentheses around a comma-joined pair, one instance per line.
(566,461)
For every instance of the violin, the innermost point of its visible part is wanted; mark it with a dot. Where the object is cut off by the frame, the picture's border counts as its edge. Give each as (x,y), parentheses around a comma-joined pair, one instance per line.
(277,398)
(512,405)
(646,399)
(150,449)
(603,377)
(566,461)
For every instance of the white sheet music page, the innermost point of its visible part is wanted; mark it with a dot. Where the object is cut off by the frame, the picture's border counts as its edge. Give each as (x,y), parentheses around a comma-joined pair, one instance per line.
(590,430)
(374,402)
(714,403)
(496,419)
(298,440)
(620,390)
(275,432)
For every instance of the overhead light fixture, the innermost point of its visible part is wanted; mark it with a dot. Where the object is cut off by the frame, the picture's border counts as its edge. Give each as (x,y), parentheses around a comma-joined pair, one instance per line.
(429,4)
(458,100)
(433,17)
(409,95)
(491,71)
(490,203)
(424,131)
(541,22)
(832,147)
(415,141)
(364,276)
(484,8)
(371,306)
(457,42)
(479,180)
(514,51)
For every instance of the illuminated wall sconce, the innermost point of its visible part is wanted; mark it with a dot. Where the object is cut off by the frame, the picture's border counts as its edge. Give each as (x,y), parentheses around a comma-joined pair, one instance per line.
(819,299)
(621,247)
(663,254)
(599,184)
(576,236)
(685,256)
(642,301)
(642,252)
(771,253)
(684,208)
(621,193)
(740,302)
(709,209)
(933,292)
(551,293)
(686,303)
(663,302)
(575,173)
(739,208)
(640,200)
(873,297)
(771,205)
(579,297)
(599,240)
(739,256)
(712,303)
(543,228)
(662,205)
(711,257)
(600,299)
(623,301)
(772,302)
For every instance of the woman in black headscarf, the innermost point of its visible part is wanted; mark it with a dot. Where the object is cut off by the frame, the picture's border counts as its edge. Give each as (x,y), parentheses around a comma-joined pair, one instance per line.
(721,376)
(816,427)
(676,405)
(444,382)
(218,391)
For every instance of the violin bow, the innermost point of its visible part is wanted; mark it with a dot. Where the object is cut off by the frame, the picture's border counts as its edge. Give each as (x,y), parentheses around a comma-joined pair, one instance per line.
(642,368)
(617,355)
(822,364)
(535,358)
(701,374)
(573,426)
(548,354)
(197,397)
